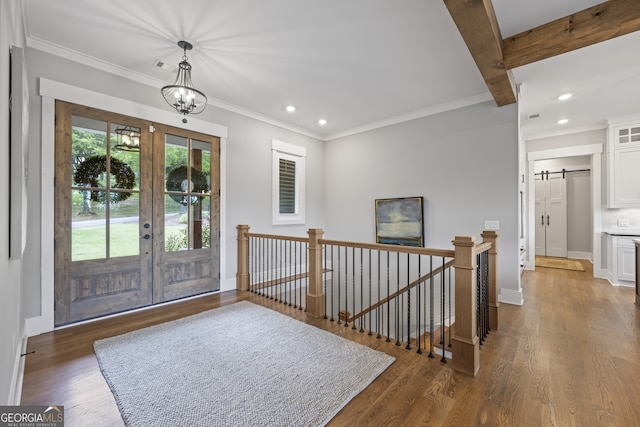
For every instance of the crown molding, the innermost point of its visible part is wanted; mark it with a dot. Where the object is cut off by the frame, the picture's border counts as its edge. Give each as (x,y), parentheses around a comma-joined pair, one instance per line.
(442,108)
(566,131)
(89,61)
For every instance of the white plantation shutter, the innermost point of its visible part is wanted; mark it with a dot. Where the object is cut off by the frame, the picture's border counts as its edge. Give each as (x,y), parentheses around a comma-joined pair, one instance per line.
(288,183)
(287,186)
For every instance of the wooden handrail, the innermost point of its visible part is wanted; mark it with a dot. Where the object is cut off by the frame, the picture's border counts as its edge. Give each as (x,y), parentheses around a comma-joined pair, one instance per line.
(278,237)
(403,290)
(281,280)
(481,247)
(391,248)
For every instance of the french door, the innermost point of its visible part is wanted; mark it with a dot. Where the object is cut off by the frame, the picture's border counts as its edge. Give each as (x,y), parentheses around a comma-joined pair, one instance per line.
(136,213)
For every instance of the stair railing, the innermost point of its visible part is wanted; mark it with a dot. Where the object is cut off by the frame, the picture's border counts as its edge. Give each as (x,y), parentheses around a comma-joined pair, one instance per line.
(399,292)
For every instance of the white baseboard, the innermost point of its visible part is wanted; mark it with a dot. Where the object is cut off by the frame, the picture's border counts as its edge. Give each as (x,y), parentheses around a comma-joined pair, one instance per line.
(580,255)
(509,296)
(621,283)
(15,392)
(38,325)
(228,284)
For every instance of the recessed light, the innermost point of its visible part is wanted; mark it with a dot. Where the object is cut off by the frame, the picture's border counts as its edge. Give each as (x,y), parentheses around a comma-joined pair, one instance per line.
(291,108)
(563,121)
(322,122)
(565,96)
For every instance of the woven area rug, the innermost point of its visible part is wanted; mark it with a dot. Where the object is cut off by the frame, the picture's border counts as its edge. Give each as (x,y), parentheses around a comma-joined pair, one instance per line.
(562,263)
(239,365)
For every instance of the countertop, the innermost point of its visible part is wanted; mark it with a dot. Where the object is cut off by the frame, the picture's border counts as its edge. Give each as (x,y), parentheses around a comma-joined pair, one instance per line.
(623,232)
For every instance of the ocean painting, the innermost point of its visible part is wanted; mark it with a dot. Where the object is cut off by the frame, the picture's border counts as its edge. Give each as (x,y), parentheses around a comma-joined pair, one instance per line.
(399,221)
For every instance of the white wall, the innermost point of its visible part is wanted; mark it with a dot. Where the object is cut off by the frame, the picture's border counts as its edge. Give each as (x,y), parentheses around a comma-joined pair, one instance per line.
(11,317)
(463,162)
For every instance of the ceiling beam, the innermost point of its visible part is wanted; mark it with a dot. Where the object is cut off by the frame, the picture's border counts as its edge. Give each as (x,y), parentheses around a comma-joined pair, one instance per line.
(477,23)
(599,23)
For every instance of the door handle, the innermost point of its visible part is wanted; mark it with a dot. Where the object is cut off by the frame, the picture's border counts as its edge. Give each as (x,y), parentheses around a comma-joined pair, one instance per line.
(146,236)
(547,220)
(542,223)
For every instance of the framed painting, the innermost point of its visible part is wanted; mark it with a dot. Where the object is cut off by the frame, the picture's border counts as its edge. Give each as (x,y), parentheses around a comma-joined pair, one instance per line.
(399,221)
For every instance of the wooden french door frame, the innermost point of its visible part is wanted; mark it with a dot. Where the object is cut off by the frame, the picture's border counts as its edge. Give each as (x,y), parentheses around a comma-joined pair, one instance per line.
(96,287)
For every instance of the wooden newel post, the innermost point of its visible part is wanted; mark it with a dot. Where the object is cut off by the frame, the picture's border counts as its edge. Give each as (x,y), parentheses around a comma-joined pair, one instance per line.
(465,342)
(494,304)
(242,276)
(315,295)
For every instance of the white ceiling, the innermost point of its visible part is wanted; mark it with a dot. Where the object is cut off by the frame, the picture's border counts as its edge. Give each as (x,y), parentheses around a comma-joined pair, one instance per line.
(358,63)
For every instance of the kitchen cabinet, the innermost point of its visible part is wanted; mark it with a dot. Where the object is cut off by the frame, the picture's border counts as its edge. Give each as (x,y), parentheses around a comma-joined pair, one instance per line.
(622,259)
(623,152)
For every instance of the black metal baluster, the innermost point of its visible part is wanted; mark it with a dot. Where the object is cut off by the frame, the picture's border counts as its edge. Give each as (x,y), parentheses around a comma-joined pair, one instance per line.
(324,269)
(379,309)
(431,308)
(388,300)
(361,289)
(353,284)
(252,265)
(478,302)
(305,283)
(486,281)
(280,272)
(443,338)
(287,299)
(370,292)
(449,274)
(338,274)
(295,273)
(418,305)
(397,298)
(346,287)
(408,347)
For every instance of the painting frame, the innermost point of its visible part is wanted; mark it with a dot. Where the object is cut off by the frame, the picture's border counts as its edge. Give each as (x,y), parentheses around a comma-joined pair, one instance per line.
(400,221)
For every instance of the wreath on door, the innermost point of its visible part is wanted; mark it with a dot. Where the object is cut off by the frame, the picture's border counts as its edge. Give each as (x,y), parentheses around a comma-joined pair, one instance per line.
(90,170)
(177,181)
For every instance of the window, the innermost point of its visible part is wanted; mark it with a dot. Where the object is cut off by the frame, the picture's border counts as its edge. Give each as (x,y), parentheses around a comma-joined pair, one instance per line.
(288,183)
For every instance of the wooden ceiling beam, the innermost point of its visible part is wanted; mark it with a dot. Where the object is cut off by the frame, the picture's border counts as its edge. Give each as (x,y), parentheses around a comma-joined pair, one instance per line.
(596,24)
(477,23)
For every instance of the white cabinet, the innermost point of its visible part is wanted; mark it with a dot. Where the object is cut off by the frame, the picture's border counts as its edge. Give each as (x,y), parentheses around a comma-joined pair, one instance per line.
(622,262)
(626,263)
(623,164)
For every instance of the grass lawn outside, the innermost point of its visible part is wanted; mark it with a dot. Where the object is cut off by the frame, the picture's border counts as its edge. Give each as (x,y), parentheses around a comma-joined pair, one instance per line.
(90,242)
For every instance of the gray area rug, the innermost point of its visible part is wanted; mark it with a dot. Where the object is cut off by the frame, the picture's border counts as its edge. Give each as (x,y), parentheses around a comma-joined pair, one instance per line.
(239,365)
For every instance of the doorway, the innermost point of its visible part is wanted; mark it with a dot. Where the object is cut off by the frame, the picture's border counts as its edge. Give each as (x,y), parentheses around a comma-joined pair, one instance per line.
(594,155)
(136,213)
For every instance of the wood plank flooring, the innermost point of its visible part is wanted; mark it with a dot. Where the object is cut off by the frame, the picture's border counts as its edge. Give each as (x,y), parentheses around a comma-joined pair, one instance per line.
(569,357)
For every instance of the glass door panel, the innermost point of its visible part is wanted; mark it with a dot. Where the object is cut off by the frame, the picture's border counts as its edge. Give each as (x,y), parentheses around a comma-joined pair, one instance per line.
(105,189)
(187,193)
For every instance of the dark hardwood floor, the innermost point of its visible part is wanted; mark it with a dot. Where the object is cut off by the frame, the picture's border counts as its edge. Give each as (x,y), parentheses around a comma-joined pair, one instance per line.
(569,357)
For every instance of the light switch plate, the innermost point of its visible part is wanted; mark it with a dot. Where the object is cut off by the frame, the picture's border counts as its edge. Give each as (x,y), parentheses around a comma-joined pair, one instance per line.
(623,222)
(491,225)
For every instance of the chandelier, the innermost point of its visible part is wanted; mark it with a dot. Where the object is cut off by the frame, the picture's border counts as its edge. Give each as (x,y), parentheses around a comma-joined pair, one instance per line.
(127,138)
(181,95)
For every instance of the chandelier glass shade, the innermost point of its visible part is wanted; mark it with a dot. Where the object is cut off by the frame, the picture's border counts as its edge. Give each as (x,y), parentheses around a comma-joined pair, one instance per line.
(127,138)
(181,95)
